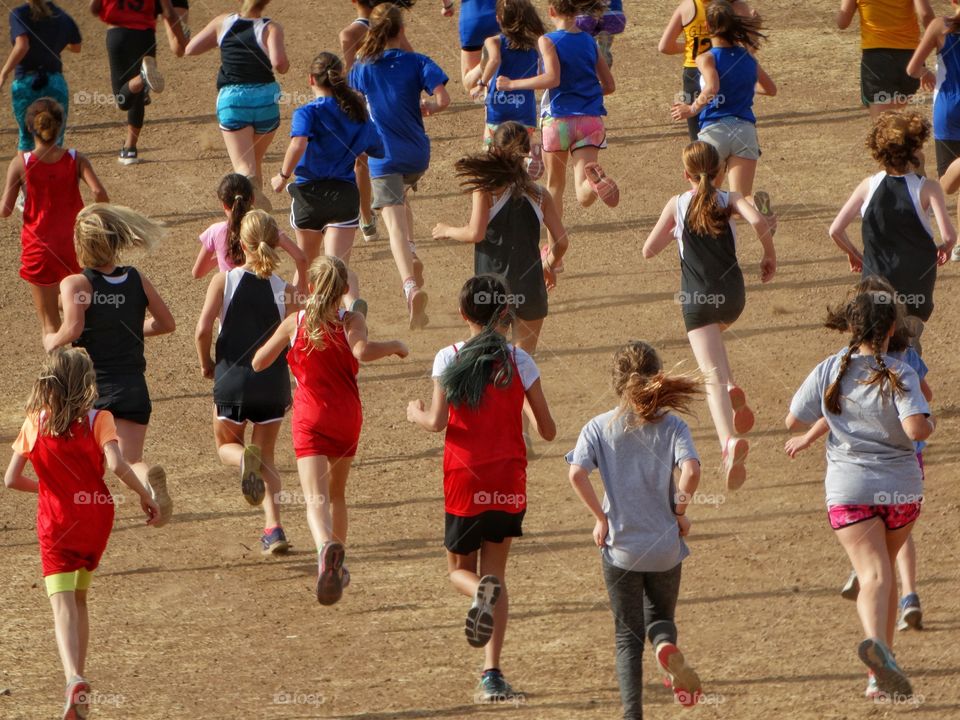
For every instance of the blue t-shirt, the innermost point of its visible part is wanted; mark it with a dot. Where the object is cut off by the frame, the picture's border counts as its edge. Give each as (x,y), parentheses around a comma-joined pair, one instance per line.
(579,91)
(47,38)
(334,141)
(392,85)
(737,69)
(518,105)
(946,97)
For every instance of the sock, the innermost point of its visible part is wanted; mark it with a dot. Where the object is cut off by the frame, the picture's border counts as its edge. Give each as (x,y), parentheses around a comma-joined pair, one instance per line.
(267,531)
(492,671)
(413,247)
(409,285)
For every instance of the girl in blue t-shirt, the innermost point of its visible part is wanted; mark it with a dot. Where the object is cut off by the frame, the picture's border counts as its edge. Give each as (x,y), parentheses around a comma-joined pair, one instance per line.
(326,138)
(392,80)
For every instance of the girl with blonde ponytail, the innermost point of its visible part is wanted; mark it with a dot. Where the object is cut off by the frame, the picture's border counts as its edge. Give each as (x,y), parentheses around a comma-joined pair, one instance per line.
(326,345)
(712,293)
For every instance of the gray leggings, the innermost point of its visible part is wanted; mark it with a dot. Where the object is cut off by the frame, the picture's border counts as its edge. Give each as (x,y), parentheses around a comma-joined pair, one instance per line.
(643,605)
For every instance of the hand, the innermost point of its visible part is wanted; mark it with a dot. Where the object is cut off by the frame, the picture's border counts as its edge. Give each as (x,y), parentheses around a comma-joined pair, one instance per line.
(150,508)
(400,349)
(50,342)
(600,532)
(928,81)
(441,231)
(278,183)
(478,93)
(426,108)
(206,369)
(549,276)
(414,410)
(768,268)
(683,522)
(681,111)
(3,79)
(504,83)
(856,262)
(796,445)
(943,252)
(447,10)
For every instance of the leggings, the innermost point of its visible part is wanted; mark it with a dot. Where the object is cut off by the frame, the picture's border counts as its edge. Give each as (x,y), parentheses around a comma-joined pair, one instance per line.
(126,49)
(691,89)
(643,605)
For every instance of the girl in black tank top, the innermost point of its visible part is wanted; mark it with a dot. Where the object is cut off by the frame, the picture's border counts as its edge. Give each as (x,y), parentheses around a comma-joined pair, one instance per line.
(505,225)
(250,302)
(108,310)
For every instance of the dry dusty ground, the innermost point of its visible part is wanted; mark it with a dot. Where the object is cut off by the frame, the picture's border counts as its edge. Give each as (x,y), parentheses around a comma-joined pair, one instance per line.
(191,622)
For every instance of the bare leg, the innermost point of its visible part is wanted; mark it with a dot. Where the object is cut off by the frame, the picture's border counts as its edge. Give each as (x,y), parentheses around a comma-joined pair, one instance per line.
(907,566)
(362,170)
(240,148)
(740,173)
(339,471)
(396,219)
(581,158)
(261,143)
(555,176)
(526,334)
(45,301)
(131,439)
(338,242)
(66,623)
(469,59)
(265,436)
(83,630)
(708,348)
(229,439)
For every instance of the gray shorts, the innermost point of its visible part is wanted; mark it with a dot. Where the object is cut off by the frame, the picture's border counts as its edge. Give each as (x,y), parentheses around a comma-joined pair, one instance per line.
(732,136)
(391,189)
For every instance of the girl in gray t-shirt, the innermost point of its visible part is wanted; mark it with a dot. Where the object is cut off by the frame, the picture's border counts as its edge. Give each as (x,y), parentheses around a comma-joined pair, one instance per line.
(875,411)
(641,523)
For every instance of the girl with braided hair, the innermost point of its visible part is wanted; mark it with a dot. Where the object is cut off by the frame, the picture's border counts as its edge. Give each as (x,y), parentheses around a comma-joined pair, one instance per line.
(876,411)
(481,390)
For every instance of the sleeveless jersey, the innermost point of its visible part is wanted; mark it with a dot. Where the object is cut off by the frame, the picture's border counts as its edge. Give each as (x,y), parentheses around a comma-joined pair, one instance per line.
(113,324)
(579,91)
(946,96)
(889,24)
(738,79)
(708,265)
(695,35)
(130,14)
(243,52)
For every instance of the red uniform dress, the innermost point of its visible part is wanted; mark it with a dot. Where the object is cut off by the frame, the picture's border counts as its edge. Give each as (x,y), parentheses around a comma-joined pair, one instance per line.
(74,506)
(327,414)
(50,209)
(131,14)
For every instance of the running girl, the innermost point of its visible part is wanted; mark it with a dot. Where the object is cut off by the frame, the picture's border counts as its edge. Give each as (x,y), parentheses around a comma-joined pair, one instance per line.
(68,443)
(577,77)
(326,138)
(480,388)
(712,292)
(39,31)
(508,212)
(478,21)
(392,79)
(642,521)
(220,245)
(326,346)
(895,204)
(248,107)
(250,301)
(108,309)
(874,486)
(730,76)
(48,180)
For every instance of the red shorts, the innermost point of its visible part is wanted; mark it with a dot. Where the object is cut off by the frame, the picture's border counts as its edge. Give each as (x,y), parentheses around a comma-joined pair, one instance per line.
(894,516)
(312,436)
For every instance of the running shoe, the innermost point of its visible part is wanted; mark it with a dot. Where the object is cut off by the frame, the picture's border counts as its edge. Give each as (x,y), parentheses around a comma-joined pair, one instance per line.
(955,253)
(910,614)
(359,306)
(743,417)
(851,588)
(873,690)
(274,542)
(891,680)
(479,625)
(251,479)
(330,575)
(370,231)
(494,688)
(152,78)
(761,201)
(734,457)
(682,678)
(605,188)
(346,578)
(128,156)
(417,267)
(157,485)
(21,201)
(417,307)
(77,705)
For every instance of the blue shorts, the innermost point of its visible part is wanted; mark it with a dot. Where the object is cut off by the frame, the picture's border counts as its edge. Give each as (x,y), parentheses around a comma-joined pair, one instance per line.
(24,95)
(243,106)
(475,28)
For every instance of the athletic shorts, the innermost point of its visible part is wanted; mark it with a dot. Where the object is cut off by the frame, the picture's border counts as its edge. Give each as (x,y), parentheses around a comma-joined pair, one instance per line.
(490,128)
(947,151)
(474,30)
(126,397)
(390,190)
(567,134)
(243,106)
(720,306)
(465,535)
(732,137)
(259,415)
(68,581)
(611,23)
(883,77)
(26,90)
(319,204)
(894,516)
(691,91)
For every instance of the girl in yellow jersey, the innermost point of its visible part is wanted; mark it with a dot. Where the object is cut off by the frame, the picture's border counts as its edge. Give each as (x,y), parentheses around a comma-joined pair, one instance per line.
(889,33)
(687,33)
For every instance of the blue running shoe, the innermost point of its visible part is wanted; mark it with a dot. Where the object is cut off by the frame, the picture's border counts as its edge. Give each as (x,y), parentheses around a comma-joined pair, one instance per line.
(274,542)
(911,616)
(494,688)
(891,680)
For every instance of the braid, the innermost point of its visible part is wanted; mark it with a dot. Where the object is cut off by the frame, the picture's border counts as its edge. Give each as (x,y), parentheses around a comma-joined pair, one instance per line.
(832,398)
(883,373)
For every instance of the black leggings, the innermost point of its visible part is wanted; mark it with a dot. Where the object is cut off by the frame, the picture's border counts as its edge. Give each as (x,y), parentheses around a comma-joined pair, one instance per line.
(126,49)
(691,90)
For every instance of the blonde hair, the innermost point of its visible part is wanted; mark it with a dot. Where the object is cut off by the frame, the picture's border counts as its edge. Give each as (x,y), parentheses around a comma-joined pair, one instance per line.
(260,236)
(386,22)
(64,392)
(328,276)
(103,230)
(644,389)
(248,5)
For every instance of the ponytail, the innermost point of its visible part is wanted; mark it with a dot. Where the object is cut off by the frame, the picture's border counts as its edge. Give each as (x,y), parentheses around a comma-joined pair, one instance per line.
(386,22)
(44,119)
(328,276)
(644,389)
(706,214)
(260,236)
(502,167)
(327,72)
(236,192)
(40,10)
(723,22)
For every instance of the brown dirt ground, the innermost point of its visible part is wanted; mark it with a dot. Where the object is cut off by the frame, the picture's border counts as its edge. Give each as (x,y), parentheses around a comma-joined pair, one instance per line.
(191,622)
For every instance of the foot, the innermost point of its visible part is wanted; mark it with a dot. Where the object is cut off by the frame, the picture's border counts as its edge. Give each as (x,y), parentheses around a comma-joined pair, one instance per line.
(260,199)
(684,680)
(761,201)
(369,231)
(274,542)
(494,688)
(910,614)
(330,575)
(851,588)
(77,705)
(152,78)
(605,188)
(891,680)
(955,253)
(743,417)
(479,624)
(417,307)
(734,457)
(418,270)
(251,478)
(128,156)
(359,306)
(157,485)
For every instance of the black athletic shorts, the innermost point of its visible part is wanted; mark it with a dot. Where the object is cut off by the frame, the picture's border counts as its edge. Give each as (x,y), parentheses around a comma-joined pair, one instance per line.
(318,204)
(181,4)
(947,152)
(465,535)
(721,306)
(883,77)
(126,397)
(258,415)
(691,89)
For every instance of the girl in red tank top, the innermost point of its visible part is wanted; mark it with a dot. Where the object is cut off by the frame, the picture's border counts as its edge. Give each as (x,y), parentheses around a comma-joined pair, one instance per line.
(326,345)
(68,443)
(48,179)
(479,390)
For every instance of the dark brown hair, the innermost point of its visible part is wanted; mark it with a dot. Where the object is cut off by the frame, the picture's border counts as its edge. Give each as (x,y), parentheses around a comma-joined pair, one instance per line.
(723,22)
(644,389)
(236,192)
(706,215)
(520,23)
(837,316)
(896,138)
(44,119)
(503,166)
(327,72)
(569,8)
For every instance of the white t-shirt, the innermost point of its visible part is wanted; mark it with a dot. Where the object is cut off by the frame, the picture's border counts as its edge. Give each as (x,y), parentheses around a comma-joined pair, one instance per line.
(529,372)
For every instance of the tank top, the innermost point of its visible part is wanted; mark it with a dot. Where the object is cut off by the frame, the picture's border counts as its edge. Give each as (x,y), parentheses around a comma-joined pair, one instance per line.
(252,310)
(50,209)
(707,264)
(518,105)
(362,21)
(130,14)
(737,69)
(898,241)
(696,36)
(946,96)
(243,52)
(890,24)
(579,91)
(113,324)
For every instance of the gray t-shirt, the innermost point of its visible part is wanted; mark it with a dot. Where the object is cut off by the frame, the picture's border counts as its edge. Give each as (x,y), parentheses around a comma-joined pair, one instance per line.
(636,467)
(870,459)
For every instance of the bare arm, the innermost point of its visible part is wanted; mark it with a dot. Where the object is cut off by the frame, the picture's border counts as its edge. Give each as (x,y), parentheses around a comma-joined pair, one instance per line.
(932,193)
(795,425)
(268,353)
(801,442)
(539,412)
(710,84)
(75,296)
(924,11)
(848,8)
(94,7)
(299,260)
(160,320)
(670,42)
(276,50)
(12,187)
(434,419)
(950,182)
(662,233)
(21,46)
(121,468)
(364,349)
(88,176)
(439,102)
(492,45)
(607,84)
(203,336)
(580,479)
(765,84)
(206,39)
(173,22)
(350,38)
(475,230)
(847,214)
(932,38)
(549,78)
(768,265)
(206,261)
(295,151)
(687,486)
(14,477)
(919,427)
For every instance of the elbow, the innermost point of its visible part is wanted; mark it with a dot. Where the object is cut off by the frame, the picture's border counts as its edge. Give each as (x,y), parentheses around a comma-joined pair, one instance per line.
(771,90)
(648,253)
(282,66)
(549,431)
(196,273)
(258,364)
(663,47)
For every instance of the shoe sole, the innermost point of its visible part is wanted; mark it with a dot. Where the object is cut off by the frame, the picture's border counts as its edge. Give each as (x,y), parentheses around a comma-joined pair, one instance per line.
(330,581)
(736,474)
(479,623)
(684,680)
(277,548)
(605,188)
(157,477)
(77,706)
(418,271)
(743,417)
(360,306)
(418,310)
(251,481)
(761,201)
(152,75)
(911,619)
(129,161)
(890,682)
(851,590)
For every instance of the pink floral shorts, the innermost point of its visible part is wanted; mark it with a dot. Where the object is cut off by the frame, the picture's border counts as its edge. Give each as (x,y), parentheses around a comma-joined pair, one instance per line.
(566,134)
(894,516)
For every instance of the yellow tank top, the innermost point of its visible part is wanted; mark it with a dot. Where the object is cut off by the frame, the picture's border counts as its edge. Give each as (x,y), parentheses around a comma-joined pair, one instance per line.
(890,24)
(695,35)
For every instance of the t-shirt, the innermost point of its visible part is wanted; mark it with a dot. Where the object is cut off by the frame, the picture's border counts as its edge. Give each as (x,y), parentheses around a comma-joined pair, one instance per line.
(529,372)
(104,431)
(636,466)
(214,239)
(870,459)
(335,141)
(47,38)
(392,85)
